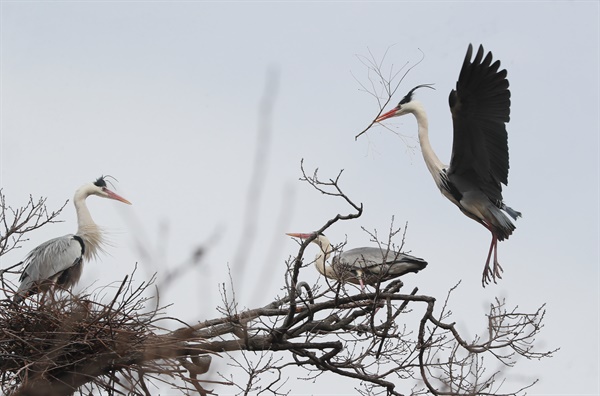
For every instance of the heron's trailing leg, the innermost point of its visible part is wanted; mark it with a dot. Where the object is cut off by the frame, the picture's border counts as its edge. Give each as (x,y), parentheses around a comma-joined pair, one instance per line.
(497,267)
(488,273)
(362,284)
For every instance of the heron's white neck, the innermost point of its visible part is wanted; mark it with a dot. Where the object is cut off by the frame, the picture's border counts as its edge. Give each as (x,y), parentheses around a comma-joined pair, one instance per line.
(86,228)
(320,261)
(432,161)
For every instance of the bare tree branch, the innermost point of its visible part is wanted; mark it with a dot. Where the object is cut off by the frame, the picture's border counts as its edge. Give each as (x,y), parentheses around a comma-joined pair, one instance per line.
(383,85)
(17,222)
(387,341)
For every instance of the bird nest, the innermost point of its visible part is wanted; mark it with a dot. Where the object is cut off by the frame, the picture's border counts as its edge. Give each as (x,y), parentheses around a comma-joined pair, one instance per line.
(57,343)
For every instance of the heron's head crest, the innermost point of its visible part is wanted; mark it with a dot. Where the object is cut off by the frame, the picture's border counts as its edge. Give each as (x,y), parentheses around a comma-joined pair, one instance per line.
(101,181)
(409,95)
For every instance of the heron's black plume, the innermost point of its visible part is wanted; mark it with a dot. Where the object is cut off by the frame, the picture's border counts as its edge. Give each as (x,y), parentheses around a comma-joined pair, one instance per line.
(101,181)
(408,96)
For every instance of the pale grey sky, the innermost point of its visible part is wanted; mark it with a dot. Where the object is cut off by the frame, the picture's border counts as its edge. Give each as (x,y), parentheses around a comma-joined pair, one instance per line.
(165,95)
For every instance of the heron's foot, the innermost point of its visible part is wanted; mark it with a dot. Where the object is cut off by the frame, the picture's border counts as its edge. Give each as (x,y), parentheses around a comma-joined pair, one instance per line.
(490,274)
(487,275)
(498,270)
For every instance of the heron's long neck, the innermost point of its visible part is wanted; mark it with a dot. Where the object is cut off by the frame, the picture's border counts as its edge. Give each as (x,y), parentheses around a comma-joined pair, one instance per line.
(320,260)
(432,161)
(86,228)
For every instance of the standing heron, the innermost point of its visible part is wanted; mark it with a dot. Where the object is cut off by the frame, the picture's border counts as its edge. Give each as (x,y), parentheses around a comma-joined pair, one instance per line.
(480,108)
(59,261)
(364,265)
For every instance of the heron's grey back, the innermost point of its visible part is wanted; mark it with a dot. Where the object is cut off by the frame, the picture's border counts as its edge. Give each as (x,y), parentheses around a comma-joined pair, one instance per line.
(376,261)
(50,259)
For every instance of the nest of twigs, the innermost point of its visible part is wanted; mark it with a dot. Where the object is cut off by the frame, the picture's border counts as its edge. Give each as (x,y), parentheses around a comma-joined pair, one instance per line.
(57,343)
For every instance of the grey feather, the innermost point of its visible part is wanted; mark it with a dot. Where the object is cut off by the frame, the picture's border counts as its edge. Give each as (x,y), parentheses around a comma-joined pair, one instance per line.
(57,261)
(374,265)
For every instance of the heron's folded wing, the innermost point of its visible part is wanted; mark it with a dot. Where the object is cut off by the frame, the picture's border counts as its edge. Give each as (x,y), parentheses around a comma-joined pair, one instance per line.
(49,259)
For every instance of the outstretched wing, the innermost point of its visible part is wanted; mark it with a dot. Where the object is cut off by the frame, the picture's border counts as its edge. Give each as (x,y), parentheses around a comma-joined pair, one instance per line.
(480,108)
(52,261)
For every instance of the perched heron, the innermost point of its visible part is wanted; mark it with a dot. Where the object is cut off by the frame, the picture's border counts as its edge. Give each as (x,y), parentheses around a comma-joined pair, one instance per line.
(364,265)
(480,108)
(59,261)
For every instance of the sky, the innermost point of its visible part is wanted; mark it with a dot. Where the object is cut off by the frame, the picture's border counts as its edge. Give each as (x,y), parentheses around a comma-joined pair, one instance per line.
(166,97)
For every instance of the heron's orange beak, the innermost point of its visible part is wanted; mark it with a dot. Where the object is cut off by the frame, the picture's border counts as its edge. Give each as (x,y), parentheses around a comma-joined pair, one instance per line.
(116,196)
(299,235)
(387,115)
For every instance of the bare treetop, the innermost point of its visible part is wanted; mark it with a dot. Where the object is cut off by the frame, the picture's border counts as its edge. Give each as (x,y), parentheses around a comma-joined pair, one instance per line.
(386,340)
